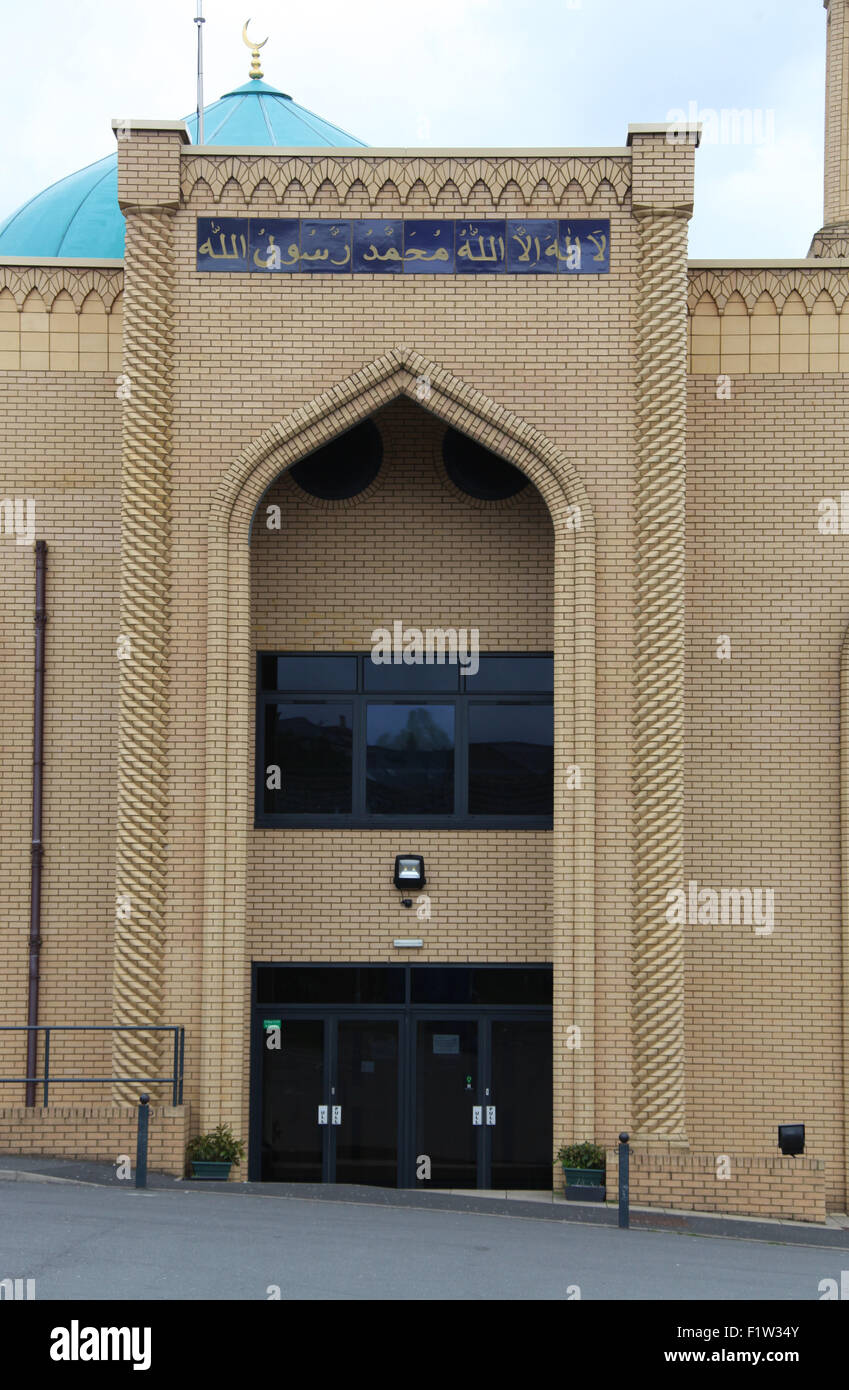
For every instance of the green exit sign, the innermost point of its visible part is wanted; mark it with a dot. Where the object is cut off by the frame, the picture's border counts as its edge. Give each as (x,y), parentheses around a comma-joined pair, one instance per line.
(271,1023)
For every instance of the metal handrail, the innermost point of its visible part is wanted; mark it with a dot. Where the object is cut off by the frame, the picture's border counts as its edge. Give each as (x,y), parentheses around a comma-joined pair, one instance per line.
(175,1080)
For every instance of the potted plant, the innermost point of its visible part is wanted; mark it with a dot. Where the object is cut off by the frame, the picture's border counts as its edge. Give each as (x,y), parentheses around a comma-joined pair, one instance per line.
(584,1166)
(212,1155)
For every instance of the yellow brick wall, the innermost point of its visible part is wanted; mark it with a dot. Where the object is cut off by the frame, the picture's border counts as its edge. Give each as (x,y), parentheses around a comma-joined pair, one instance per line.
(789,1188)
(149,164)
(763,1024)
(99,1133)
(764,1035)
(59,337)
(61,447)
(792,336)
(836,143)
(417,551)
(249,351)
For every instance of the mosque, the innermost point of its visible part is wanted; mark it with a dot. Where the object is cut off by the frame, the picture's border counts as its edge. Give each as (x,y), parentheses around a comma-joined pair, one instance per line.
(425,681)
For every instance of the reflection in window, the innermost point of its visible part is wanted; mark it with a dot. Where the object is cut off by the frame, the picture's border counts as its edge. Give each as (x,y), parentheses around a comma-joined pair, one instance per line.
(508,675)
(312,746)
(417,679)
(289,674)
(361,744)
(410,759)
(511,759)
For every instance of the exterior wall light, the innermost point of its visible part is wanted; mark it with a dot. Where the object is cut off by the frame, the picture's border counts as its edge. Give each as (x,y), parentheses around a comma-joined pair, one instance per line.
(409,871)
(791,1139)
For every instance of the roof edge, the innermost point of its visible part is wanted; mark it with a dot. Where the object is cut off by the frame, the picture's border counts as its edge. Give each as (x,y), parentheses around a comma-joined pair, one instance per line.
(415,152)
(131,123)
(675,132)
(809,263)
(83,262)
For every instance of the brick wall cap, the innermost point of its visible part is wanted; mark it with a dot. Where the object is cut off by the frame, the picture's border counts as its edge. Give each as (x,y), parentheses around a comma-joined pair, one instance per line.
(404,151)
(664,127)
(811,263)
(166,126)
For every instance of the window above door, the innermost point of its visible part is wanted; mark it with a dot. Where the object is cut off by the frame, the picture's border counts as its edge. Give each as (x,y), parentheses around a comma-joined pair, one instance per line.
(343,741)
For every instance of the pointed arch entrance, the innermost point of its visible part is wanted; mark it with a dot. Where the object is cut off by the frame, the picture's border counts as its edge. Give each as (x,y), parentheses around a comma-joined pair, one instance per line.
(229,776)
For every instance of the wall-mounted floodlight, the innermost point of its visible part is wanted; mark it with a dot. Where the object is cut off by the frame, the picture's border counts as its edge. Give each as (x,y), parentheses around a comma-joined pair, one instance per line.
(409,871)
(791,1139)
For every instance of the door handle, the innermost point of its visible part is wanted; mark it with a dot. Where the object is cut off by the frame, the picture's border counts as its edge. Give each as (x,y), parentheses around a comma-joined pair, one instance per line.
(322,1114)
(336,1114)
(490,1114)
(477,1114)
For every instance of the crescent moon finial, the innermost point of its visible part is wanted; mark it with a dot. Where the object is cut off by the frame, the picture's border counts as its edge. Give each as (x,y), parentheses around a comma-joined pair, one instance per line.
(256,71)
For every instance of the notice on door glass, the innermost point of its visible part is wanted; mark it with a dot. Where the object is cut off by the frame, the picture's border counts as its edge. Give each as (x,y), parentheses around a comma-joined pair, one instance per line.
(446,1044)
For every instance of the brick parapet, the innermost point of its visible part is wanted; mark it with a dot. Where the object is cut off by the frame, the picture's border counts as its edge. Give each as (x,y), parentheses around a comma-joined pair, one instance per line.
(791,1189)
(397,175)
(97,1133)
(149,163)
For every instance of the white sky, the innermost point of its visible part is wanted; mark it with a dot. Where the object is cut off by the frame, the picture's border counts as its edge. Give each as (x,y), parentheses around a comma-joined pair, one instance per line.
(447,73)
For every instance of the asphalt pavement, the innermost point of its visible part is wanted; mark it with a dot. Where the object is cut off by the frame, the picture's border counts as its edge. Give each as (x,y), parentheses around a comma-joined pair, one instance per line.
(182,1241)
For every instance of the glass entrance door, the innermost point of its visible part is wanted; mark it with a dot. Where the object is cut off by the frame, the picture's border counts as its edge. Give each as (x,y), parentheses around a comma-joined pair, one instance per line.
(483,1103)
(447,1128)
(294,1079)
(361,1073)
(366,1092)
(330,1109)
(521,1092)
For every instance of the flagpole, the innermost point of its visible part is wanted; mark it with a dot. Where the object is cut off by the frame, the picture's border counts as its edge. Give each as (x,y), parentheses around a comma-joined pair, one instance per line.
(199,20)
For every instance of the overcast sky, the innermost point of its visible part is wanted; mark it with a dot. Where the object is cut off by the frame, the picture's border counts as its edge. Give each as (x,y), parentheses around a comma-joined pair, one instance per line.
(448,73)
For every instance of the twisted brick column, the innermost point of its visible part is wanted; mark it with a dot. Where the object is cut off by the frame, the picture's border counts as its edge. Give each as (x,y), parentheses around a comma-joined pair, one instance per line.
(659,733)
(143,648)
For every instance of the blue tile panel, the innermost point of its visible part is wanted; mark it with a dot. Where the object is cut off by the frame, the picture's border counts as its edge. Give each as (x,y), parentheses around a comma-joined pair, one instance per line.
(410,246)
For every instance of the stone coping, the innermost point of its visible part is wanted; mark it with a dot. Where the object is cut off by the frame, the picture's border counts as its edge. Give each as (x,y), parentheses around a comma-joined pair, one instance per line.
(409,152)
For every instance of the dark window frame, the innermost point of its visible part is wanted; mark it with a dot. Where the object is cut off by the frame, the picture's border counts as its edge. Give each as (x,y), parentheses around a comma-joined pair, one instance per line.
(361,698)
(403,971)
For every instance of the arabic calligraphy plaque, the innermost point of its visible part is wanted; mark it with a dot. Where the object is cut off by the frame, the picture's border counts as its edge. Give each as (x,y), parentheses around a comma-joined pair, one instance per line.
(528,244)
(326,247)
(379,247)
(481,247)
(583,247)
(414,246)
(222,243)
(428,248)
(275,245)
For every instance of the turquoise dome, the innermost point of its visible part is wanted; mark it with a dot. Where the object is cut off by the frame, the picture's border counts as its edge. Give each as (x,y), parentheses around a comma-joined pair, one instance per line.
(79,215)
